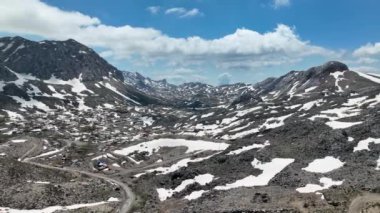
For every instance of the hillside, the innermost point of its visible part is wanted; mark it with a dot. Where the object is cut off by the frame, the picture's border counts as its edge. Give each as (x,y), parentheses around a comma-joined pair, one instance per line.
(307,141)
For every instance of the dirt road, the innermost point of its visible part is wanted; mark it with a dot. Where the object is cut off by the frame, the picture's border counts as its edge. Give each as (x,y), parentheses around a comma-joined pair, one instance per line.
(129,196)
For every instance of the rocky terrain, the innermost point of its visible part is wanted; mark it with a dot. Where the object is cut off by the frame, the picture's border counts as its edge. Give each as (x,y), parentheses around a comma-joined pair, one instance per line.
(78,135)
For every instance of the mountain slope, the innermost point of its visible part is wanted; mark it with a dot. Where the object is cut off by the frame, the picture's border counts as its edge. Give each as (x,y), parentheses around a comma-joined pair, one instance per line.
(307,141)
(58,74)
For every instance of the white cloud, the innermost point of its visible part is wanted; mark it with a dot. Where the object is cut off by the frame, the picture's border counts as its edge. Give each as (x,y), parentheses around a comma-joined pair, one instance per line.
(368,50)
(183,12)
(154,9)
(280,3)
(366,58)
(35,17)
(176,10)
(243,49)
(366,69)
(192,12)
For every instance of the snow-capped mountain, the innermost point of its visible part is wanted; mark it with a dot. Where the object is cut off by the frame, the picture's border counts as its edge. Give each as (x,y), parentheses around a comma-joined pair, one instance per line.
(57,74)
(307,141)
(193,94)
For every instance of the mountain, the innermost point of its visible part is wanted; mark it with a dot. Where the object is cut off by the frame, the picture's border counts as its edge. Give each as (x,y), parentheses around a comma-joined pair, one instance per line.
(330,78)
(307,141)
(55,74)
(191,95)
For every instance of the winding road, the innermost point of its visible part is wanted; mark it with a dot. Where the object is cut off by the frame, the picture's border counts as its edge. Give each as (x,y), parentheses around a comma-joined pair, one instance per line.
(129,196)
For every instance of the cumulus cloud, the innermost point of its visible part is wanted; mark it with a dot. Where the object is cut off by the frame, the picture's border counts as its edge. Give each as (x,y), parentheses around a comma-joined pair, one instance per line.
(224,78)
(243,49)
(366,69)
(280,3)
(368,50)
(183,12)
(366,58)
(153,9)
(35,17)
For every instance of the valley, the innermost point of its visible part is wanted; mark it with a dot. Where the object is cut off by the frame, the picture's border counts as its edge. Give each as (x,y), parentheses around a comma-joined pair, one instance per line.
(82,136)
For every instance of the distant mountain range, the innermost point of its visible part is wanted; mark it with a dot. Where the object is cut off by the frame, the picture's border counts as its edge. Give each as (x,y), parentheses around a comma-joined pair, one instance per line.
(58,74)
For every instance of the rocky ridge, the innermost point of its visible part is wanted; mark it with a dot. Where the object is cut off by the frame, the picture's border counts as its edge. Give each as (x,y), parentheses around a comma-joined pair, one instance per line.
(307,141)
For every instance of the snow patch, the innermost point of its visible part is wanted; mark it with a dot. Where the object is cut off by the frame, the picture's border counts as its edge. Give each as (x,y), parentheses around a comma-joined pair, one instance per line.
(18,141)
(195,195)
(363,144)
(109,106)
(338,77)
(371,78)
(246,148)
(113,89)
(270,170)
(13,115)
(324,165)
(155,145)
(342,125)
(180,164)
(202,180)
(326,183)
(113,199)
(311,104)
(310,89)
(147,121)
(207,115)
(76,84)
(31,103)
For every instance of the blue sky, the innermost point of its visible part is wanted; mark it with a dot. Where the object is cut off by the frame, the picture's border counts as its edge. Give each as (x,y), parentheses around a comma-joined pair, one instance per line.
(208,40)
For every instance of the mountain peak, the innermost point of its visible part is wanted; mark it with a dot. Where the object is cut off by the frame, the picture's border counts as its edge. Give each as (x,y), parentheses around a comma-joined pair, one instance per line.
(63,59)
(333,66)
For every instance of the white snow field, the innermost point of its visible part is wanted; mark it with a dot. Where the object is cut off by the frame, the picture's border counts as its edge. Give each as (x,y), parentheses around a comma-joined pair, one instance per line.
(180,164)
(31,103)
(270,123)
(369,77)
(341,125)
(202,180)
(270,170)
(113,89)
(324,165)
(363,144)
(13,115)
(18,141)
(326,183)
(155,145)
(247,148)
(76,84)
(346,111)
(195,195)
